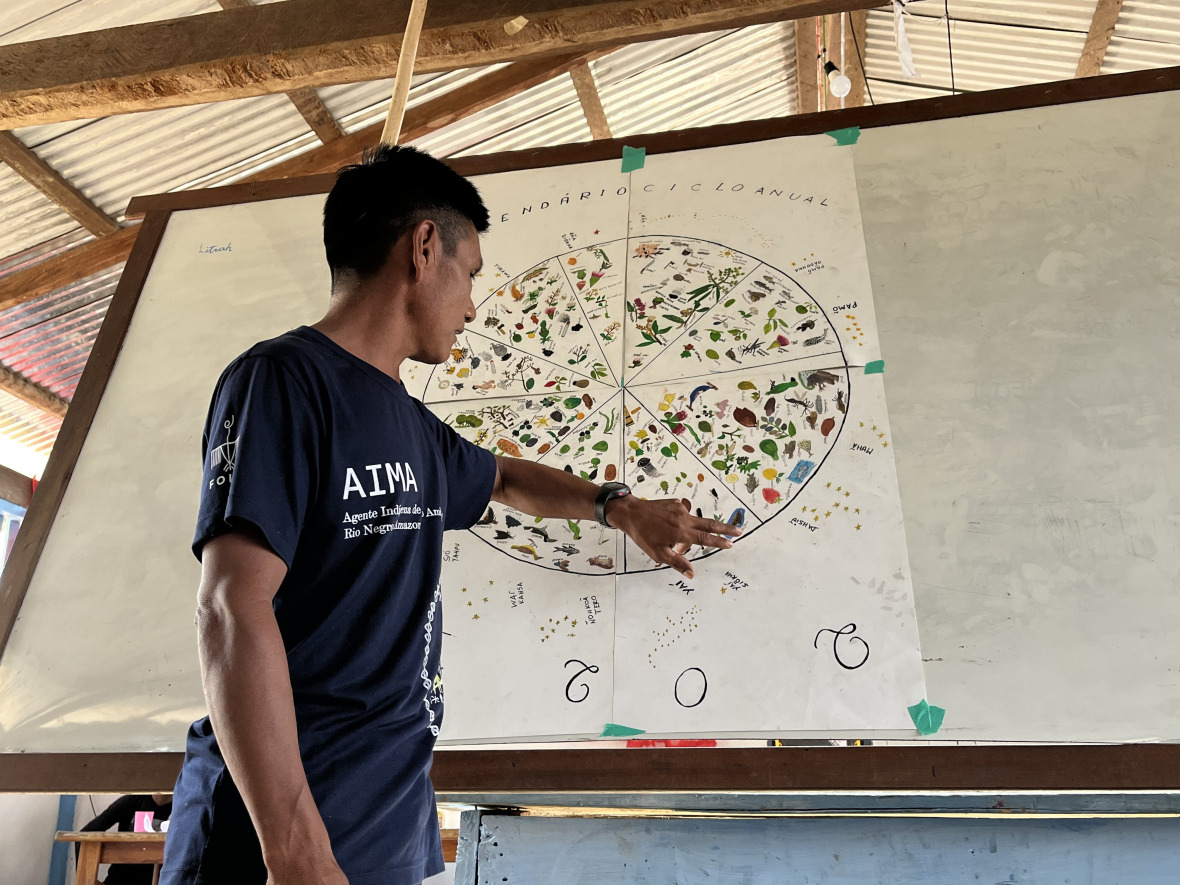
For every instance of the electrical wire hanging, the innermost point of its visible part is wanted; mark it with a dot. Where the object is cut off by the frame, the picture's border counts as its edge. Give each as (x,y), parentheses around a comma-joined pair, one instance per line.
(864,75)
(950,54)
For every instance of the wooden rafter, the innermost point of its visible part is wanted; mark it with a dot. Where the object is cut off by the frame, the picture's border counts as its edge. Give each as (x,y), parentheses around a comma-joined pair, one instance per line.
(317,115)
(590,100)
(25,163)
(33,394)
(1106,16)
(835,34)
(16,488)
(806,66)
(277,47)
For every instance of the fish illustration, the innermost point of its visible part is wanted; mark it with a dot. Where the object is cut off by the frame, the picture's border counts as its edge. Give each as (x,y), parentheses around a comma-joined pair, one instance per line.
(563,564)
(540,531)
(567,549)
(527,548)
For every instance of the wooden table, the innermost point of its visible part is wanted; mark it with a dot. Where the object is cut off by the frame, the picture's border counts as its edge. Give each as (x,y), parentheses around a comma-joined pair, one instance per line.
(98,848)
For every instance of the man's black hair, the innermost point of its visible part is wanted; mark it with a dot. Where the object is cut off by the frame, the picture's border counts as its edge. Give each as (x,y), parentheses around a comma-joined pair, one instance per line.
(375,202)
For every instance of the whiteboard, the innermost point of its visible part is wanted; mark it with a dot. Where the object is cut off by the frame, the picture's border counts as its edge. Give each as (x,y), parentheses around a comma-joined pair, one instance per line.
(1025,299)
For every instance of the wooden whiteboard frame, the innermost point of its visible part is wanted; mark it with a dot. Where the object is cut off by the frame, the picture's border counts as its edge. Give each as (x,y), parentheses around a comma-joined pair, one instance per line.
(459,771)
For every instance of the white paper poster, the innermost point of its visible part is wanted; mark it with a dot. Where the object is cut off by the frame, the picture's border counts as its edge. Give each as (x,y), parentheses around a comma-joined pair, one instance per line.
(700,328)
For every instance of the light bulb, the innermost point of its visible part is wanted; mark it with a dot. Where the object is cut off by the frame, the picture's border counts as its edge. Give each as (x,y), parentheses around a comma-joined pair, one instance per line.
(837,82)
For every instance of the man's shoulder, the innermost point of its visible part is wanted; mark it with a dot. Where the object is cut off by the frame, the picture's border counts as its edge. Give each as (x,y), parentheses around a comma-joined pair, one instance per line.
(292,354)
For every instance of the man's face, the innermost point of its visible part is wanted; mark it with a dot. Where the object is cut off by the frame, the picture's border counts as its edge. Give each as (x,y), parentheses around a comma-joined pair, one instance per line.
(446,306)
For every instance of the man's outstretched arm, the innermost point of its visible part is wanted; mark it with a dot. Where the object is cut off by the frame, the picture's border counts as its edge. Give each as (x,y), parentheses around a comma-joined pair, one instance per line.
(248,691)
(664,529)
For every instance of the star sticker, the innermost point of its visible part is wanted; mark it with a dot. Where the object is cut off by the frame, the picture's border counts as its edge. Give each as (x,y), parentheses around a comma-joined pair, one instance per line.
(475,617)
(858,526)
(874,427)
(485,599)
(828,486)
(491,582)
(857,510)
(846,494)
(829,513)
(862,424)
(880,435)
(469,602)
(464,589)
(884,445)
(596,232)
(845,508)
(839,488)
(722,591)
(817,519)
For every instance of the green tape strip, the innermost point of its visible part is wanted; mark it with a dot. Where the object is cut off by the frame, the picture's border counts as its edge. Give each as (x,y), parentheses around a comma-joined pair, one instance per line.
(633,158)
(610,730)
(927,718)
(876,367)
(845,136)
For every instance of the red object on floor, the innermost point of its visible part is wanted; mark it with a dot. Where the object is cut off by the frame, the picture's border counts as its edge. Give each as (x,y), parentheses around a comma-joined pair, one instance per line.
(671,743)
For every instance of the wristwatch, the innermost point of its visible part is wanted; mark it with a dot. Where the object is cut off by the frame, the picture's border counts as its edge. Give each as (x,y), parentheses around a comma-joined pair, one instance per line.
(608,492)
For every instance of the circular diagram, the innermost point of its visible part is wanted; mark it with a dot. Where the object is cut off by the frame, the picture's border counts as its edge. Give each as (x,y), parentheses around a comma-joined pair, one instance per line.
(679,366)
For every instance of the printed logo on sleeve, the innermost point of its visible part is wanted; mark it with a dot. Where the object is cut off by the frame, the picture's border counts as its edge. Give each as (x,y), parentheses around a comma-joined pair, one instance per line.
(223,455)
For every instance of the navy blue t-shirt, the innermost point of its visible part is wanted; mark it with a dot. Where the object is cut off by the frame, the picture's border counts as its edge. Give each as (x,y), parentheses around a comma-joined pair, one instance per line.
(352,482)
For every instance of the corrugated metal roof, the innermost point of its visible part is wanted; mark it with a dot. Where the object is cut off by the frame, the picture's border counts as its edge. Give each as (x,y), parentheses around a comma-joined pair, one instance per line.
(48,340)
(703,85)
(25,20)
(1157,22)
(986,55)
(27,217)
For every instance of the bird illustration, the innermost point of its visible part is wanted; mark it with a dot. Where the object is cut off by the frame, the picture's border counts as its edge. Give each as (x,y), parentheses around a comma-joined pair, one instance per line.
(488,518)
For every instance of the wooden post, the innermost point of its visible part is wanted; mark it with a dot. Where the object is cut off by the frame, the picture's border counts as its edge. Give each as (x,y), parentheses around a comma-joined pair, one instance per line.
(405,72)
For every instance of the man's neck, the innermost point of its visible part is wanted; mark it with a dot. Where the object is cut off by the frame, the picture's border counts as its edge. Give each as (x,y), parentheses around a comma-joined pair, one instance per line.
(366,324)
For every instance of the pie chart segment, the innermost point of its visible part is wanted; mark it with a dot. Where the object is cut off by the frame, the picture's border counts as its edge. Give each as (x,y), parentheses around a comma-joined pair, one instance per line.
(762,434)
(578,432)
(764,320)
(481,367)
(671,283)
(598,276)
(540,314)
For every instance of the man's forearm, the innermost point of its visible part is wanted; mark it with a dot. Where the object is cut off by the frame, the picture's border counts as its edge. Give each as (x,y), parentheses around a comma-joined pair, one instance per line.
(248,690)
(539,490)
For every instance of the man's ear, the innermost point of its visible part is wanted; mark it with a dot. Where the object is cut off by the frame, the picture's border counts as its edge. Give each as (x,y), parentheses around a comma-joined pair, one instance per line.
(424,247)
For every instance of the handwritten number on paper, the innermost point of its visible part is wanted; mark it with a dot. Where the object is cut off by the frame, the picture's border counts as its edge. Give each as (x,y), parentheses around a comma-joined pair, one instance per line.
(846,630)
(704,688)
(586,668)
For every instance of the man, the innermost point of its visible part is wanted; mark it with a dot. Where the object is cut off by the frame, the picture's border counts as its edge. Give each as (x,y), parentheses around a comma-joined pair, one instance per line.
(319,648)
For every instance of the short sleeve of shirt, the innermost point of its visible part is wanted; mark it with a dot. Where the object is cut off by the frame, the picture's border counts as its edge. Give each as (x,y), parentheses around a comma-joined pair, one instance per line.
(260,456)
(471,475)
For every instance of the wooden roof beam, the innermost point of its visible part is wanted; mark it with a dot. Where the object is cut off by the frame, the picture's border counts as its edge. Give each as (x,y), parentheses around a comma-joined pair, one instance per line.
(25,163)
(806,66)
(836,34)
(314,111)
(278,47)
(1106,16)
(33,394)
(591,101)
